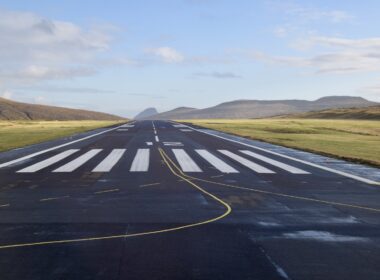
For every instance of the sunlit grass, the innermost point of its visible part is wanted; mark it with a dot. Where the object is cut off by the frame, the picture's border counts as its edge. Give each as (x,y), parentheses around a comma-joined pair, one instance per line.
(15,134)
(356,140)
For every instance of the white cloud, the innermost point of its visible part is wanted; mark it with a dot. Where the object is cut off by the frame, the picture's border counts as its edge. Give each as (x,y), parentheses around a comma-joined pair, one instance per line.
(340,55)
(7,94)
(166,54)
(336,42)
(372,90)
(40,100)
(296,11)
(218,75)
(280,32)
(38,72)
(33,47)
(313,14)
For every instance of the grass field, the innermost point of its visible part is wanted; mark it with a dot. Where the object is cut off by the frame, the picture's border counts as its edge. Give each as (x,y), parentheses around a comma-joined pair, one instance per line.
(355,140)
(14,134)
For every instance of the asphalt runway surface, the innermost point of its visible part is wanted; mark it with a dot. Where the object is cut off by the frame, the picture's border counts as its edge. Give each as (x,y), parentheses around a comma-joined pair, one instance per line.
(160,200)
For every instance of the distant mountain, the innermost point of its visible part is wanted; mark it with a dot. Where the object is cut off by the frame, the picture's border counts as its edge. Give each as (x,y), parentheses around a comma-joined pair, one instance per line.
(146,113)
(11,110)
(264,108)
(172,114)
(367,113)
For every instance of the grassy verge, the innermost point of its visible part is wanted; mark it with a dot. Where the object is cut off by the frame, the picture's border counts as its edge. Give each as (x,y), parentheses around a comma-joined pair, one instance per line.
(14,134)
(355,140)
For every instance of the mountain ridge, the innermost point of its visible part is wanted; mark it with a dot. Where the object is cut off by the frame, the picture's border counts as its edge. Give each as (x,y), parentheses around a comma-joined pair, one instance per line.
(365,113)
(14,110)
(264,108)
(146,113)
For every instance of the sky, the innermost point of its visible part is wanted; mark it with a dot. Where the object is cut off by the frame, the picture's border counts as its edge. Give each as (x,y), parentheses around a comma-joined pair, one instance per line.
(121,57)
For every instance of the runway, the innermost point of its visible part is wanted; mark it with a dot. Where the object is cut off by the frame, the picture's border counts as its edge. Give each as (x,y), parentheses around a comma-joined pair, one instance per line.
(163,200)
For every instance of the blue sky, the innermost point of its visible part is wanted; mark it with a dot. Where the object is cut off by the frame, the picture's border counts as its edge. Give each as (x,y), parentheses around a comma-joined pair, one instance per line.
(123,56)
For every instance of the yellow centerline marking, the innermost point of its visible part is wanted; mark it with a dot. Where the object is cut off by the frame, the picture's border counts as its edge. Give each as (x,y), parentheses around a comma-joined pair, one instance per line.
(148,185)
(278,194)
(54,198)
(107,191)
(165,158)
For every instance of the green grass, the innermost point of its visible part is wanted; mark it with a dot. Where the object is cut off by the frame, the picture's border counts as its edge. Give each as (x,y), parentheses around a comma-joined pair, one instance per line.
(15,134)
(354,140)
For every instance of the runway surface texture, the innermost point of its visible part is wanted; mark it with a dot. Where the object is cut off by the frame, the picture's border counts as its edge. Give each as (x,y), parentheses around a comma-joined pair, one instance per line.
(161,200)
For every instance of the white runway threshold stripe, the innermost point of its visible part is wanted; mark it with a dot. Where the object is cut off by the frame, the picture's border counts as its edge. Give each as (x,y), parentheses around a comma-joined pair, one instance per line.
(141,161)
(243,161)
(74,164)
(47,162)
(316,165)
(109,162)
(185,161)
(289,168)
(17,160)
(216,162)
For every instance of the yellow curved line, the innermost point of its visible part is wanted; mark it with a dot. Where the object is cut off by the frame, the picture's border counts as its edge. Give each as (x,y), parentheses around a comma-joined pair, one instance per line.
(275,193)
(164,157)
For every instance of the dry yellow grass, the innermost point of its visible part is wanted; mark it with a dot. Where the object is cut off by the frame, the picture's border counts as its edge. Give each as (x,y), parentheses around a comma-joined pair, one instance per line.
(355,140)
(14,134)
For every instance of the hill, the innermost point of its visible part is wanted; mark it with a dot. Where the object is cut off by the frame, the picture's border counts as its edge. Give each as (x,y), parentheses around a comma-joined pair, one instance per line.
(12,110)
(368,113)
(264,108)
(172,114)
(146,113)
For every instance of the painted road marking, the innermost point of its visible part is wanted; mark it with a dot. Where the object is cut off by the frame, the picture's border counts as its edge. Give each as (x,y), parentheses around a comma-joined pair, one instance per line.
(122,129)
(5,205)
(342,173)
(156,138)
(74,164)
(145,233)
(148,185)
(54,198)
(110,161)
(154,128)
(149,143)
(276,163)
(179,125)
(216,176)
(141,161)
(106,191)
(251,165)
(5,164)
(186,130)
(216,162)
(185,161)
(47,162)
(173,144)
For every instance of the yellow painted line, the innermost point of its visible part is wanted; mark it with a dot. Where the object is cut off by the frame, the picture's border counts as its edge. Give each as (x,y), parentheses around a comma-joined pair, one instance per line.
(54,198)
(148,185)
(163,155)
(5,205)
(278,194)
(107,191)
